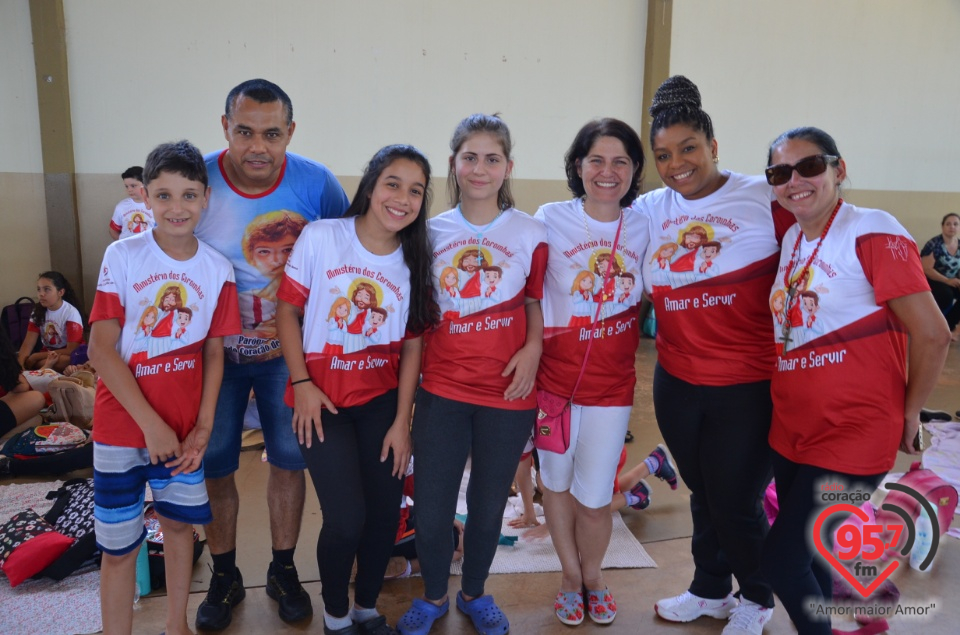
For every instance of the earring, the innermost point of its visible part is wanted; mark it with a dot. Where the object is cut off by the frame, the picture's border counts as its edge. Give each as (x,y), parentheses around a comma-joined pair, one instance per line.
(716,159)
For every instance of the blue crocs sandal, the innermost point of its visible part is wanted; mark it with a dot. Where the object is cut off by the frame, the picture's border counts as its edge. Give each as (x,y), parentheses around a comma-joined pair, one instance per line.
(486,616)
(419,618)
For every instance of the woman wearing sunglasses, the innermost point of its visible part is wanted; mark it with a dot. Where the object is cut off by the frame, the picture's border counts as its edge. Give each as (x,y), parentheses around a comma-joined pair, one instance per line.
(711,387)
(827,429)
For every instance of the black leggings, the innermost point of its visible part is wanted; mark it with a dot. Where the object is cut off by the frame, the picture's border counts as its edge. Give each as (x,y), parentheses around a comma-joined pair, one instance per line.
(359,498)
(799,578)
(445,432)
(718,437)
(948,300)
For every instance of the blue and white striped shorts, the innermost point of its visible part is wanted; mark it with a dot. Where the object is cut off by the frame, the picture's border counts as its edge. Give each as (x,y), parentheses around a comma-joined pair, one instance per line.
(119,478)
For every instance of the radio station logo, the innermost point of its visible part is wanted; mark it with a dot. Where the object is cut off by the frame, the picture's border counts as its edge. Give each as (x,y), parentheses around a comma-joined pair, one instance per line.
(868,549)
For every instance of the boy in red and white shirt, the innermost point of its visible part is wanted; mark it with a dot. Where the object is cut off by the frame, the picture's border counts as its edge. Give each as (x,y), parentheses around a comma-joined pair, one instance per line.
(155,412)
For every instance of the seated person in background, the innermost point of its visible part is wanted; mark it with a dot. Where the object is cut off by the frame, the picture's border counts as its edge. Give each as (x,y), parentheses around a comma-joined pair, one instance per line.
(56,321)
(18,402)
(940,257)
(629,488)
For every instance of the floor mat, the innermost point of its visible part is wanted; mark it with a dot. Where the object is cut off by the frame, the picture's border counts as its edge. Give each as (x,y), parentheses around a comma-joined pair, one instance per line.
(45,607)
(624,552)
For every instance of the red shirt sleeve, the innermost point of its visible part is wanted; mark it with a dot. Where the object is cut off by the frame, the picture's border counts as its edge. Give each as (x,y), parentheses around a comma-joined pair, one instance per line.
(782,220)
(226,317)
(292,292)
(538,268)
(891,263)
(74,332)
(106,306)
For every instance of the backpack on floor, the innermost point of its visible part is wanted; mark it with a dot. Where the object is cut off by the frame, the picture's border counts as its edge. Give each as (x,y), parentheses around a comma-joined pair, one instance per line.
(15,319)
(940,494)
(72,515)
(33,452)
(158,573)
(73,400)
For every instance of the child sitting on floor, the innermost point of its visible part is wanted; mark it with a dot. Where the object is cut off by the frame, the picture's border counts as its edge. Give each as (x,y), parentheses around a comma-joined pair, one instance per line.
(629,489)
(18,402)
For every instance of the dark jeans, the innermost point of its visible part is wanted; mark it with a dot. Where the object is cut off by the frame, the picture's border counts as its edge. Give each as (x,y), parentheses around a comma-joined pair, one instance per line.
(445,432)
(360,500)
(793,570)
(948,299)
(718,437)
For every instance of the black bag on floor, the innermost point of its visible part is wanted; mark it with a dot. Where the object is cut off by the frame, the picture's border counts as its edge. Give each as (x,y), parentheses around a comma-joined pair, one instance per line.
(72,515)
(15,319)
(18,456)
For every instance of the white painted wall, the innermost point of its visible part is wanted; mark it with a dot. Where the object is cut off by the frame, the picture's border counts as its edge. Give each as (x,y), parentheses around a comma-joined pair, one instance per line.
(360,74)
(19,120)
(881,76)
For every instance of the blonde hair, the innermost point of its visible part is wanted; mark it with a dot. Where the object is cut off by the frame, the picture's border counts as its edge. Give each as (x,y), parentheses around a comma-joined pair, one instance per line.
(580,278)
(779,293)
(339,302)
(662,248)
(446,272)
(150,310)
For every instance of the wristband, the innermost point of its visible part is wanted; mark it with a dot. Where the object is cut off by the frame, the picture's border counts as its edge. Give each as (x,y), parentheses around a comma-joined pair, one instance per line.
(299,381)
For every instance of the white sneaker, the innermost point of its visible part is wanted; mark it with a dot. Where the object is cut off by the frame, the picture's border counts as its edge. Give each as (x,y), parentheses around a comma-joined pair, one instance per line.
(748,619)
(687,607)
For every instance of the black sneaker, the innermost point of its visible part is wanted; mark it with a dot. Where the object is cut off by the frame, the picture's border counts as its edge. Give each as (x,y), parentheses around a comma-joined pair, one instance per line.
(283,585)
(216,611)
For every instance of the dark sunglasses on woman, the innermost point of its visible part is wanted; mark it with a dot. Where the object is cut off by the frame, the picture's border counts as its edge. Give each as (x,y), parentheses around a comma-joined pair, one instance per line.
(809,167)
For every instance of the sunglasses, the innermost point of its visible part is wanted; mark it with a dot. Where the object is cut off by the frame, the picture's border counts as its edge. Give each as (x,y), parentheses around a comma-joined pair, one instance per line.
(809,167)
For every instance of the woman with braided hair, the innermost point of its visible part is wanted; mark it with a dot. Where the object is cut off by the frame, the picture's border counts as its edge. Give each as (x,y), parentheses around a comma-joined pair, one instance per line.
(714,353)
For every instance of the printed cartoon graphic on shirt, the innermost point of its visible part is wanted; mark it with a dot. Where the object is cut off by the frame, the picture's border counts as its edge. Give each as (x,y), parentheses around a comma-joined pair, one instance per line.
(137,224)
(52,338)
(689,257)
(162,326)
(267,242)
(795,310)
(470,282)
(363,316)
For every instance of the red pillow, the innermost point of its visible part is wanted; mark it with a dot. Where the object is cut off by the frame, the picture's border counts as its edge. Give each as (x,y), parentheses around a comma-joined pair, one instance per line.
(35,555)
(28,543)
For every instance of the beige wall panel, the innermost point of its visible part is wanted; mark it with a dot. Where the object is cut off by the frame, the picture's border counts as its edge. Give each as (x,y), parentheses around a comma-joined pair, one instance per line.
(919,212)
(879,75)
(100,193)
(24,249)
(361,74)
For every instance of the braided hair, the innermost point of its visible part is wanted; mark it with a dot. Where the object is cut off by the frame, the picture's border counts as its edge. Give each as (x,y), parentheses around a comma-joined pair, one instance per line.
(677,101)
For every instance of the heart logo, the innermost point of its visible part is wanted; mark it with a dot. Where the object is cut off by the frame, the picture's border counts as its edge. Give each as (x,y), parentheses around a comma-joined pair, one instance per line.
(864,591)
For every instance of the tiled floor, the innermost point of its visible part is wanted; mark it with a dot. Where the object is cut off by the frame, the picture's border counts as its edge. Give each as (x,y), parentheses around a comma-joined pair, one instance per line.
(664,529)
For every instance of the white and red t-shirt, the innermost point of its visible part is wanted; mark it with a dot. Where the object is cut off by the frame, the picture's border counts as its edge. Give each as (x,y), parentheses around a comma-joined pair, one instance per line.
(573,290)
(482,293)
(131,218)
(708,268)
(155,297)
(59,327)
(356,305)
(840,378)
